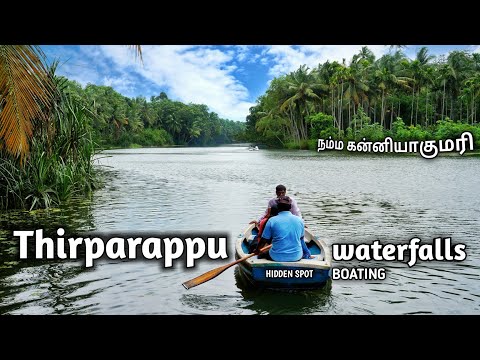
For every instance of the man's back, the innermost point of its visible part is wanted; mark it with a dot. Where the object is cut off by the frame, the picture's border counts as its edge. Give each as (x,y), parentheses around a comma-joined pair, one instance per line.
(286,231)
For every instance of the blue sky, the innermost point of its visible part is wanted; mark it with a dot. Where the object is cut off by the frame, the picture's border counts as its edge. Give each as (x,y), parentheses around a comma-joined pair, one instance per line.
(228,79)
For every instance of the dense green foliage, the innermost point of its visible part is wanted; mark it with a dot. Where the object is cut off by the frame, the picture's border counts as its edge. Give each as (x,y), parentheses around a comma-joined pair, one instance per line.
(60,162)
(84,120)
(371,98)
(123,122)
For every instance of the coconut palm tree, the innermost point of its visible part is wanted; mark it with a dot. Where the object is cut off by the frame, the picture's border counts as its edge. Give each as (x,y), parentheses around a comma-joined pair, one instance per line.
(26,90)
(418,72)
(356,87)
(302,85)
(25,93)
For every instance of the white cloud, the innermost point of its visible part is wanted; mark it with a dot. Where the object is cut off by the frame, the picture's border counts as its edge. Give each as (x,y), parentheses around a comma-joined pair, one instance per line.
(475,48)
(242,52)
(123,84)
(197,74)
(287,58)
(81,72)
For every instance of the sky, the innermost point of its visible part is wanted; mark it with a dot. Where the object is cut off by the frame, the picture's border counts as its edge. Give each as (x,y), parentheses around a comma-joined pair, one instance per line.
(226,78)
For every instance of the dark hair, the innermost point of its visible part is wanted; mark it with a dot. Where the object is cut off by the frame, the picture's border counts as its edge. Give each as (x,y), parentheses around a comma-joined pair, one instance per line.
(284,203)
(274,210)
(284,207)
(280,188)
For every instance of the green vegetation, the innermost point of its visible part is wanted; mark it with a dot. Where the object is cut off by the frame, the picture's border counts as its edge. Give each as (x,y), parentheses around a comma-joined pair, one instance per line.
(59,164)
(82,121)
(50,128)
(371,98)
(119,121)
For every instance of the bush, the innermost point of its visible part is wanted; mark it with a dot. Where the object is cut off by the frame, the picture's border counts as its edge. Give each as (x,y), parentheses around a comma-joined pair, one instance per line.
(321,126)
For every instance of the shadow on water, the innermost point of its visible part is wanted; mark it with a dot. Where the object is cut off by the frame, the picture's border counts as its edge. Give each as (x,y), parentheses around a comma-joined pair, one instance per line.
(284,302)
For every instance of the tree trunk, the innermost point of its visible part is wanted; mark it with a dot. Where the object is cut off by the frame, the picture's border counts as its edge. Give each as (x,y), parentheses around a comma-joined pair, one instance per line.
(467,112)
(341,106)
(294,125)
(399,103)
(304,124)
(391,115)
(474,110)
(443,101)
(451,107)
(333,108)
(350,115)
(361,120)
(416,111)
(426,109)
(383,109)
(413,99)
(461,108)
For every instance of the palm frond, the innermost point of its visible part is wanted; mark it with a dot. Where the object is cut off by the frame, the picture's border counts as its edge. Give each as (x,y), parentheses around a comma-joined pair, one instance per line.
(25,92)
(138,51)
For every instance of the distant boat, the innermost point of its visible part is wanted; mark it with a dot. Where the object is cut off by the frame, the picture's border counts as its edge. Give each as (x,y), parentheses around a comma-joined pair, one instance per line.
(251,148)
(302,274)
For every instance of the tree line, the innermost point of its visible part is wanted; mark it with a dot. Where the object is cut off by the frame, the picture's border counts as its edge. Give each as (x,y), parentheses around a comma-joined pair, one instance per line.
(422,98)
(121,121)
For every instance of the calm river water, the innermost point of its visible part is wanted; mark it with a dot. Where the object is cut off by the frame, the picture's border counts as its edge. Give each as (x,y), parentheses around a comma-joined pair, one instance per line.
(354,199)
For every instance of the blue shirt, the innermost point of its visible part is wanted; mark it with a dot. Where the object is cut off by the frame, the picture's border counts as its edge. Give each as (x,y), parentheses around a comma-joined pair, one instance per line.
(286,232)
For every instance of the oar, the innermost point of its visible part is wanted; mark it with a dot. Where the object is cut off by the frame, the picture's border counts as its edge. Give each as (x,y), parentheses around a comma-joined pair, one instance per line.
(209,275)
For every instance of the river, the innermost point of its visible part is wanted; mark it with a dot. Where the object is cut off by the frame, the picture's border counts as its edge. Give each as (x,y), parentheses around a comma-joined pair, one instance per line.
(354,199)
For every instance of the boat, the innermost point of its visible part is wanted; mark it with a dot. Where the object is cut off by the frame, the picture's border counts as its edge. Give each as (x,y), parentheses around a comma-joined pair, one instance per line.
(303,274)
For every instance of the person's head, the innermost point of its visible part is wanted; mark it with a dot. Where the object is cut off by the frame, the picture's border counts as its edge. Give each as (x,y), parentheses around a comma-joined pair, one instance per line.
(284,203)
(274,210)
(281,190)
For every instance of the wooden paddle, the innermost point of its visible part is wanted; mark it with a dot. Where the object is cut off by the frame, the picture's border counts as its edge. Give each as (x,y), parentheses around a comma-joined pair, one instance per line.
(209,275)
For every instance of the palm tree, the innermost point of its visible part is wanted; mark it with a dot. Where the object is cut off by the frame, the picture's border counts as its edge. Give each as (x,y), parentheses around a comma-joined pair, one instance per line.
(325,77)
(138,51)
(397,47)
(302,85)
(458,63)
(356,86)
(387,77)
(418,70)
(26,91)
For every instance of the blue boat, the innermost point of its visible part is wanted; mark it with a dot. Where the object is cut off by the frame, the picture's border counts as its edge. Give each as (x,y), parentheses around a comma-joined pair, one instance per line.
(302,274)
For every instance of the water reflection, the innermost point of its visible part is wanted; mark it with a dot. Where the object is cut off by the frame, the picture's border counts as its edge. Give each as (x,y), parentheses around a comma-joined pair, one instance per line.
(284,302)
(44,289)
(33,286)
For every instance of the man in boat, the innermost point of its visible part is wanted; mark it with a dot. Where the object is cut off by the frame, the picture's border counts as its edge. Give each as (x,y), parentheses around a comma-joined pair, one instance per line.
(280,190)
(286,234)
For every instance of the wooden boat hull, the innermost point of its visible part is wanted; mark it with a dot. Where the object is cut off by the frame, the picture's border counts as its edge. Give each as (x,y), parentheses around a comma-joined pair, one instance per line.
(303,274)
